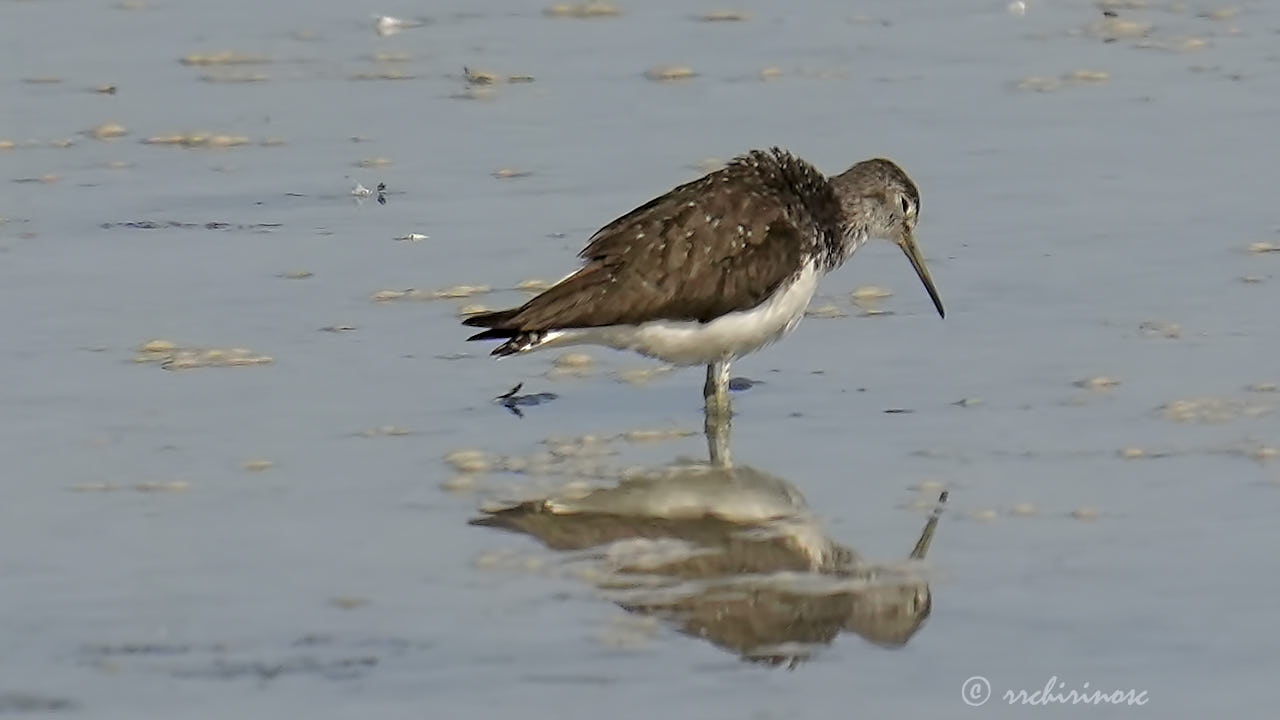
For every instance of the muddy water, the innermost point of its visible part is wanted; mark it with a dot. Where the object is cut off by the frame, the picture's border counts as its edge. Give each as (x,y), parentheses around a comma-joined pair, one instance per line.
(256,515)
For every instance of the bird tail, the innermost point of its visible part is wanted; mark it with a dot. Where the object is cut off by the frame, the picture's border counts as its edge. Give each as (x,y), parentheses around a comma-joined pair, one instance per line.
(516,340)
(495,319)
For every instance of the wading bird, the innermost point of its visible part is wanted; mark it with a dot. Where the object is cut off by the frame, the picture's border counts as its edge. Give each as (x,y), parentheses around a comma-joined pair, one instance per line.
(718,267)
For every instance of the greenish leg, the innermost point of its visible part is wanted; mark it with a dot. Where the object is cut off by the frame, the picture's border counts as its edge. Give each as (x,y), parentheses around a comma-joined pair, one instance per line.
(716,390)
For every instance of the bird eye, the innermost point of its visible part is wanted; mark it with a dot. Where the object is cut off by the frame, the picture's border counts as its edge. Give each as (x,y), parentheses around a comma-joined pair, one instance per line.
(906,204)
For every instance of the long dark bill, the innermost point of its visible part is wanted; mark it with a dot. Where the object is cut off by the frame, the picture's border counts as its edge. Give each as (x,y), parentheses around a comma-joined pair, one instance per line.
(908,245)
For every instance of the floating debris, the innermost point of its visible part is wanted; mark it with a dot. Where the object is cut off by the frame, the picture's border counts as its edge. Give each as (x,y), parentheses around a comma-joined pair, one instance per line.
(1219,14)
(338,328)
(226,57)
(104,89)
(724,15)
(198,140)
(158,346)
(479,77)
(1133,453)
(583,10)
(512,401)
(1022,510)
(459,484)
(984,515)
(470,460)
(107,131)
(640,376)
(148,487)
(412,237)
(1088,76)
(1044,83)
(473,309)
(1264,247)
(474,76)
(373,162)
(385,431)
(1211,410)
(1263,387)
(576,360)
(42,80)
(361,193)
(296,275)
(770,73)
(348,602)
(171,356)
(458,291)
(507,173)
(827,311)
(1086,513)
(870,292)
(738,384)
(656,435)
(1098,382)
(928,486)
(214,357)
(533,285)
(1112,28)
(1175,44)
(382,75)
(163,486)
(1161,329)
(257,465)
(968,402)
(174,224)
(868,299)
(386,25)
(1038,83)
(232,78)
(669,73)
(570,373)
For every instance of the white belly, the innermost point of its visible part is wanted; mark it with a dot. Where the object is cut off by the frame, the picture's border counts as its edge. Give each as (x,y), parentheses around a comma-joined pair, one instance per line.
(694,343)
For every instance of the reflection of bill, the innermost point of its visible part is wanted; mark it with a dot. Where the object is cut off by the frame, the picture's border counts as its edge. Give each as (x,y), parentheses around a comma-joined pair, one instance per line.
(730,554)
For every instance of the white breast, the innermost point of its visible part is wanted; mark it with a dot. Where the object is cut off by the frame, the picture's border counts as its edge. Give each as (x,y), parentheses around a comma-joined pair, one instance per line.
(727,337)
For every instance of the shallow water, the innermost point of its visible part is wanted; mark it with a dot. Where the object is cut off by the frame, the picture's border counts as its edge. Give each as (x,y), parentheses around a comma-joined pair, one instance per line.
(147,571)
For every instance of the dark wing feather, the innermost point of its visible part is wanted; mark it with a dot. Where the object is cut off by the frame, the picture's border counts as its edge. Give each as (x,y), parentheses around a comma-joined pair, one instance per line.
(721,243)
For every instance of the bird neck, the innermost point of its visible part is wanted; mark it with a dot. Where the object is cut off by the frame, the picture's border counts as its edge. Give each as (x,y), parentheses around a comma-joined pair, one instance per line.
(838,247)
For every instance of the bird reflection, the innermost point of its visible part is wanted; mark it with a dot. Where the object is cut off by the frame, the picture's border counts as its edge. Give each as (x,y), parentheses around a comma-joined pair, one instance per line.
(730,554)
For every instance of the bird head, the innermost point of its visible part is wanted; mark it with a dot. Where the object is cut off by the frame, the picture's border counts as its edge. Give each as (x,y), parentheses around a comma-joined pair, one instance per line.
(878,200)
